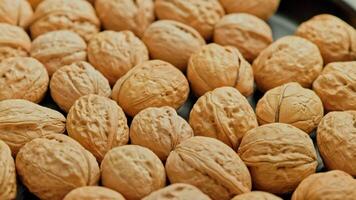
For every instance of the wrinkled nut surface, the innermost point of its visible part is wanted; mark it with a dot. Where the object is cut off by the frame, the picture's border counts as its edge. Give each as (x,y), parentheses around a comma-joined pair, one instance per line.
(93,193)
(53,165)
(115,53)
(152,83)
(336,86)
(34,3)
(132,170)
(334,37)
(223,114)
(98,124)
(328,185)
(211,166)
(73,81)
(8,187)
(177,191)
(22,121)
(215,66)
(256,195)
(289,59)
(202,15)
(160,130)
(173,42)
(291,104)
(335,139)
(244,31)
(23,78)
(133,15)
(15,12)
(279,156)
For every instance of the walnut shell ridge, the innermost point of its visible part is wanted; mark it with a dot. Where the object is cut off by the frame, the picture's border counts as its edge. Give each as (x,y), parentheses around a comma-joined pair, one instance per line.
(15,12)
(8,187)
(93,193)
(256,195)
(34,3)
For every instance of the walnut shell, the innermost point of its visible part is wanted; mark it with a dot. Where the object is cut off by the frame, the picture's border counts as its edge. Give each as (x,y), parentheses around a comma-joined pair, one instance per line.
(244,31)
(93,193)
(34,3)
(15,12)
(279,156)
(211,166)
(98,124)
(256,195)
(160,130)
(132,170)
(152,83)
(73,81)
(334,37)
(8,187)
(172,41)
(215,66)
(115,53)
(58,48)
(292,104)
(53,165)
(223,114)
(22,121)
(289,59)
(336,86)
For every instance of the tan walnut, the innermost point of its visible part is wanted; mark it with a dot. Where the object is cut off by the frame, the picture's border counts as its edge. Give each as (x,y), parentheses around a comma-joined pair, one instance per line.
(35,3)
(93,193)
(15,12)
(256,195)
(8,187)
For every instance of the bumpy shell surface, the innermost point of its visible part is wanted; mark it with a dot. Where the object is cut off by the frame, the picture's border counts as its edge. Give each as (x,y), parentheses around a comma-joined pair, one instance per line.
(289,59)
(22,121)
(336,86)
(8,187)
(93,193)
(334,37)
(244,31)
(336,140)
(133,15)
(216,66)
(115,53)
(256,195)
(152,83)
(279,157)
(132,170)
(329,185)
(160,130)
(53,165)
(15,12)
(211,166)
(172,41)
(98,124)
(73,81)
(291,104)
(34,3)
(223,114)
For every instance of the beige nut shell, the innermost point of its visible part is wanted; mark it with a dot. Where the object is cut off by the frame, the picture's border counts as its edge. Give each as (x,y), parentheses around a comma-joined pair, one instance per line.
(159,129)
(223,114)
(8,187)
(98,124)
(53,165)
(152,83)
(292,104)
(93,193)
(211,166)
(216,66)
(336,86)
(15,12)
(279,156)
(34,3)
(22,121)
(132,170)
(289,59)
(244,31)
(256,195)
(172,41)
(115,53)
(73,81)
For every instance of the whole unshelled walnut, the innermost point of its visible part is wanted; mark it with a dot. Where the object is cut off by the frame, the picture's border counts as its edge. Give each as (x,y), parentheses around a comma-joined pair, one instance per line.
(93,193)
(34,3)
(256,195)
(279,156)
(211,166)
(15,12)
(22,121)
(152,83)
(53,165)
(8,187)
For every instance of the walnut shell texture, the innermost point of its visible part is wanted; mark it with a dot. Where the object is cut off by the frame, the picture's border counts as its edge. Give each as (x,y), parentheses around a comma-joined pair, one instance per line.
(15,12)
(8,187)
(93,193)
(256,195)
(34,3)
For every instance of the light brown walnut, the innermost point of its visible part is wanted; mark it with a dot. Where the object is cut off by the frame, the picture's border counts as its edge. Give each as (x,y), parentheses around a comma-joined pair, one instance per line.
(93,193)
(8,187)
(15,12)
(34,3)
(256,195)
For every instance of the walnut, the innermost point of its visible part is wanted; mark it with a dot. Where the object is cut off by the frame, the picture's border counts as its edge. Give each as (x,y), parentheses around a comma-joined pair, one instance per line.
(73,81)
(223,114)
(289,59)
(132,170)
(211,166)
(8,187)
(93,193)
(279,156)
(172,41)
(215,66)
(256,195)
(34,3)
(15,12)
(53,165)
(152,83)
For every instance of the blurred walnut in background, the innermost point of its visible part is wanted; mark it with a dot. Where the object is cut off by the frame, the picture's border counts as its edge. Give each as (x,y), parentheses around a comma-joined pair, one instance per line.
(15,12)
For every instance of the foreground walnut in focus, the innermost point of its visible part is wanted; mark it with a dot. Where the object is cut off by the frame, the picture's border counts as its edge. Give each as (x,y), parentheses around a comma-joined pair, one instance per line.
(93,193)
(15,12)
(256,195)
(8,187)
(211,166)
(279,156)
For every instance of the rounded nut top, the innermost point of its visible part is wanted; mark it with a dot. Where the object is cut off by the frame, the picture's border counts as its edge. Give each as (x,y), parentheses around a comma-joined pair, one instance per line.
(15,12)
(256,195)
(152,83)
(8,185)
(93,193)
(34,3)
(288,59)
